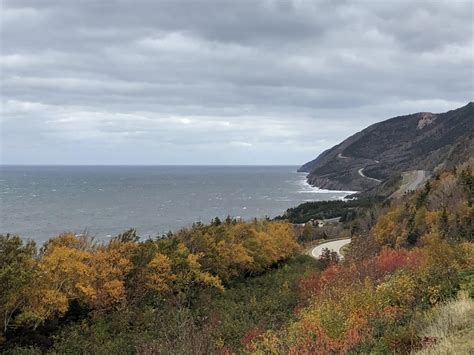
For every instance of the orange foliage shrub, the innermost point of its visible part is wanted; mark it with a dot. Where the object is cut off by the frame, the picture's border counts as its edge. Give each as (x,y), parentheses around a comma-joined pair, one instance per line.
(340,276)
(368,301)
(391,260)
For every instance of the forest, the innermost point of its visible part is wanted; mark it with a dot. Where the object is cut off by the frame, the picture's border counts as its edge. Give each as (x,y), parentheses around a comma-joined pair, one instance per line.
(347,210)
(248,287)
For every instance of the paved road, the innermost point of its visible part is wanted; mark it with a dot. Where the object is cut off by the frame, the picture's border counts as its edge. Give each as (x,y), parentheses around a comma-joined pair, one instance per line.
(361,173)
(335,245)
(420,176)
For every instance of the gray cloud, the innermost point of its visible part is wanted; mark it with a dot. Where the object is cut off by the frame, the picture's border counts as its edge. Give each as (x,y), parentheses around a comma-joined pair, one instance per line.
(244,82)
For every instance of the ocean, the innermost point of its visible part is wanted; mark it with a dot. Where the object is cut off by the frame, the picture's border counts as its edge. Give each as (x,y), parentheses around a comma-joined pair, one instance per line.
(39,202)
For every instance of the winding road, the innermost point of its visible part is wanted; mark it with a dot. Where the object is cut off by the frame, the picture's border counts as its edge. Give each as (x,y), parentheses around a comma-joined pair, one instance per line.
(335,245)
(361,173)
(361,170)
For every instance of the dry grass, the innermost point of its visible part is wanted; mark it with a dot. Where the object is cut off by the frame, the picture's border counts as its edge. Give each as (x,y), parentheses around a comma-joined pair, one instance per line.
(449,329)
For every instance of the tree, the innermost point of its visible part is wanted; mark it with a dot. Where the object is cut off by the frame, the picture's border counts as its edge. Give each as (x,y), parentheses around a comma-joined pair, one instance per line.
(308,232)
(17,271)
(355,228)
(187,274)
(388,229)
(328,258)
(216,222)
(159,274)
(64,272)
(444,223)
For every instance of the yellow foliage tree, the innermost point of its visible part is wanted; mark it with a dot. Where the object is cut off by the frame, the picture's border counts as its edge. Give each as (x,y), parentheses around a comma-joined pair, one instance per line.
(159,274)
(387,230)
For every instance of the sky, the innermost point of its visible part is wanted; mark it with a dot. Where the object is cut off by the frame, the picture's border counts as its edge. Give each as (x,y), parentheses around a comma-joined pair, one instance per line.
(220,82)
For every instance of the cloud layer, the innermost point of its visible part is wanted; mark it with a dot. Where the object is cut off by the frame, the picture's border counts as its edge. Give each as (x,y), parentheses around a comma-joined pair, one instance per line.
(220,82)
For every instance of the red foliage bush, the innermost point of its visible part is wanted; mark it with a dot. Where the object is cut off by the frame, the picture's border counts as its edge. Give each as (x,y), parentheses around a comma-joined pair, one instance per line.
(338,276)
(391,260)
(248,337)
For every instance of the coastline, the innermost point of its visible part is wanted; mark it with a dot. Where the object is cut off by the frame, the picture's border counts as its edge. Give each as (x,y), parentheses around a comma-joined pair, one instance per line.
(315,189)
(105,201)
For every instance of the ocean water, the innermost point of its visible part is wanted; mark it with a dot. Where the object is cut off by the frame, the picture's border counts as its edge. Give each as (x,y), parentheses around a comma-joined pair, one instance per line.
(39,202)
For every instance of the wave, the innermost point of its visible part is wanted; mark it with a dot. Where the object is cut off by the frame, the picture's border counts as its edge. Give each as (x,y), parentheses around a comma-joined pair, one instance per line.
(307,188)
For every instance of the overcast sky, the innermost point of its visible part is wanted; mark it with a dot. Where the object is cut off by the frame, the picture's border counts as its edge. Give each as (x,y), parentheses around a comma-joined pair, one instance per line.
(220,82)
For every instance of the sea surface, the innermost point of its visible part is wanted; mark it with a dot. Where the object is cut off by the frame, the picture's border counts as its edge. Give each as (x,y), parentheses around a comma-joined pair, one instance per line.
(39,202)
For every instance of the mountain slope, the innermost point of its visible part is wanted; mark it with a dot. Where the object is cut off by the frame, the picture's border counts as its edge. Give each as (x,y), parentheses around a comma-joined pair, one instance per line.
(382,151)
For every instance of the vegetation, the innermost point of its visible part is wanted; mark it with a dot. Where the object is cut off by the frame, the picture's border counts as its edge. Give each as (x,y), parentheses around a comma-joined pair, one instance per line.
(449,327)
(419,254)
(405,284)
(309,233)
(348,210)
(368,305)
(99,288)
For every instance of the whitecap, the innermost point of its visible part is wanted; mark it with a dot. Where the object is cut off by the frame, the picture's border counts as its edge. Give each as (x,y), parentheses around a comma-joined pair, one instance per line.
(307,188)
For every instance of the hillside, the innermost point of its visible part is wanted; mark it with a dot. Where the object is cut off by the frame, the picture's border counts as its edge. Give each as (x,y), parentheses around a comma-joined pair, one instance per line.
(383,151)
(232,287)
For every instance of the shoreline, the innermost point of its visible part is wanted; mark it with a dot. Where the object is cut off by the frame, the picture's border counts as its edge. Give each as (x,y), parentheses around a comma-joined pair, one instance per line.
(301,186)
(315,189)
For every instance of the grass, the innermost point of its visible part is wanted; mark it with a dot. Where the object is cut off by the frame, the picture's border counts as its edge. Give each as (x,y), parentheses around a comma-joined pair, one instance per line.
(449,328)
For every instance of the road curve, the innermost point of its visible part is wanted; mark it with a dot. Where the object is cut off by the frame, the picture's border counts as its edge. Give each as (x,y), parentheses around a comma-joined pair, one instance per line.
(335,245)
(361,170)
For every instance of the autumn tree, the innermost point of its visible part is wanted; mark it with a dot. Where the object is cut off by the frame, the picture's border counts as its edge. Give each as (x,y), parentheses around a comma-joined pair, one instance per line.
(17,272)
(64,271)
(328,257)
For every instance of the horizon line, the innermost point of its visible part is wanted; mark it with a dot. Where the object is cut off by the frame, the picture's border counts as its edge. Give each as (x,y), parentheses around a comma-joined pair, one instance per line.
(150,165)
